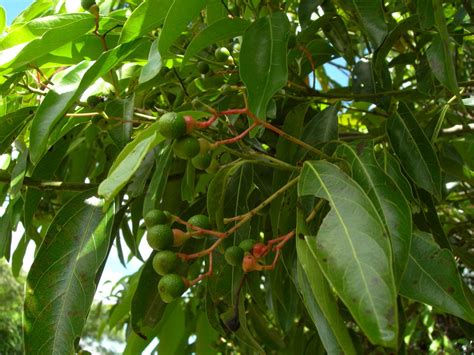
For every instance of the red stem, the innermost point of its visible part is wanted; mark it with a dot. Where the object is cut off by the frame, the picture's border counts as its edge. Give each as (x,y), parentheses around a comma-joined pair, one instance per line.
(236,138)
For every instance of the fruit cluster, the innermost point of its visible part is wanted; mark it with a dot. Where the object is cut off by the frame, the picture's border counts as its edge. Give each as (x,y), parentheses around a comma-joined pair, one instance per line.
(177,126)
(171,265)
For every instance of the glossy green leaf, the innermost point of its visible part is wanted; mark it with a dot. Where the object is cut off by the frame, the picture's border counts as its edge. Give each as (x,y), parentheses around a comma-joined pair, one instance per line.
(319,299)
(414,150)
(11,125)
(6,232)
(188,182)
(149,15)
(180,14)
(440,58)
(425,12)
(35,28)
(222,29)
(27,52)
(62,280)
(372,18)
(263,62)
(153,66)
(70,84)
(354,251)
(432,277)
(123,109)
(128,162)
(389,201)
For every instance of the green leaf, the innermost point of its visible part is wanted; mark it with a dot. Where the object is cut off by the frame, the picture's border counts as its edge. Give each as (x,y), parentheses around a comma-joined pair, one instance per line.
(6,232)
(11,125)
(28,52)
(319,299)
(206,336)
(391,167)
(263,60)
(153,66)
(70,84)
(147,306)
(179,15)
(372,18)
(128,161)
(432,277)
(149,15)
(159,178)
(353,251)
(389,201)
(175,321)
(217,192)
(222,29)
(36,28)
(440,58)
(402,27)
(3,19)
(414,150)
(425,12)
(62,280)
(188,182)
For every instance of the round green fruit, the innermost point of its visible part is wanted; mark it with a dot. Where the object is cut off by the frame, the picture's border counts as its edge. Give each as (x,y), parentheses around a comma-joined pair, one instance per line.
(170,287)
(234,255)
(154,217)
(165,262)
(247,244)
(202,161)
(94,100)
(203,67)
(200,221)
(221,54)
(87,4)
(186,147)
(171,125)
(160,237)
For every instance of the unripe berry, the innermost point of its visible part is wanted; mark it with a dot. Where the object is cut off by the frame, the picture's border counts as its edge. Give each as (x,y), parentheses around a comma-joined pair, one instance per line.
(200,221)
(221,54)
(234,255)
(202,161)
(154,217)
(165,262)
(172,125)
(186,147)
(160,237)
(87,4)
(202,67)
(170,287)
(247,244)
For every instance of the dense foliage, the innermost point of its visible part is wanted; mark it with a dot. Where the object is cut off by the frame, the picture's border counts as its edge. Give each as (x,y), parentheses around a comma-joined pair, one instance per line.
(303,171)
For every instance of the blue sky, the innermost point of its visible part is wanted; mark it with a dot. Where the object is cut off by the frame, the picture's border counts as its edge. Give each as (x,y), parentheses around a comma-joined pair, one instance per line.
(14,7)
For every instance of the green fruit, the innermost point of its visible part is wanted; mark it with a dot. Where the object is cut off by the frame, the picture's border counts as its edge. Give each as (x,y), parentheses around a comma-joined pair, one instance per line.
(87,4)
(221,54)
(186,147)
(165,262)
(202,161)
(94,100)
(200,221)
(234,255)
(202,67)
(160,237)
(247,244)
(155,217)
(171,125)
(170,287)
